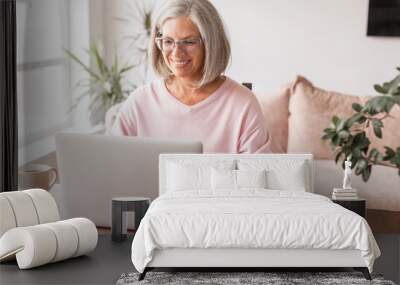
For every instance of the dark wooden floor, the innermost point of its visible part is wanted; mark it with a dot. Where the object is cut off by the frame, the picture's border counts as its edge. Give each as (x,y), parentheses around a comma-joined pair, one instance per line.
(102,266)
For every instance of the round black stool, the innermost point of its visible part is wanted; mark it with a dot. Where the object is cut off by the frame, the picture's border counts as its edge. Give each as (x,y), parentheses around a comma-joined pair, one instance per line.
(139,205)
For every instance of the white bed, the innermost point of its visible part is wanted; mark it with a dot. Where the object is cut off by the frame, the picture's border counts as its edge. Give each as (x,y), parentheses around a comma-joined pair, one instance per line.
(201,219)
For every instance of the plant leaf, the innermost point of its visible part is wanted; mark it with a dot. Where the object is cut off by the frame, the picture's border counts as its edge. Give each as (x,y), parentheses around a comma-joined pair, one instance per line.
(337,157)
(344,134)
(85,67)
(358,117)
(377,126)
(361,141)
(380,89)
(366,173)
(99,60)
(341,124)
(396,159)
(335,121)
(356,153)
(394,84)
(335,140)
(389,153)
(326,137)
(375,155)
(126,68)
(380,104)
(356,107)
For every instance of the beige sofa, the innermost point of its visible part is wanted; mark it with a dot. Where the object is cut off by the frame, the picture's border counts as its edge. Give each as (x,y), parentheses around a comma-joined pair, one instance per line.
(296,116)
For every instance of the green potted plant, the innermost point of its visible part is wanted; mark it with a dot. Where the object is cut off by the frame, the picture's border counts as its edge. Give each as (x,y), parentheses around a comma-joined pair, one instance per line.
(348,138)
(104,85)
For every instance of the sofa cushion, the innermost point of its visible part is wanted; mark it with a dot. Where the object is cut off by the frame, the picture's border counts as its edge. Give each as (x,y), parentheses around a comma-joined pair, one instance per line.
(275,108)
(311,110)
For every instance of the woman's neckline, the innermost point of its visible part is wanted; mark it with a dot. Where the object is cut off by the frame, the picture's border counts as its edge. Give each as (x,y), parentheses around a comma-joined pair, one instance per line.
(203,102)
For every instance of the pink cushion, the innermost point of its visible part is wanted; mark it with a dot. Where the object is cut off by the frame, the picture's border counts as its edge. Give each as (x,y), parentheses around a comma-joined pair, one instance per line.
(311,110)
(275,108)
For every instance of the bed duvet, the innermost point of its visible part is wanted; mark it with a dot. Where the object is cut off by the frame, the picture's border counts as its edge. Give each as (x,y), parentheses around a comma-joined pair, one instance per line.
(251,218)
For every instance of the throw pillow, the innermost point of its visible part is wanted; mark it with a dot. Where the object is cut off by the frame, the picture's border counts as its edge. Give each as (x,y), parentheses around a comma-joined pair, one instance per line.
(311,110)
(275,108)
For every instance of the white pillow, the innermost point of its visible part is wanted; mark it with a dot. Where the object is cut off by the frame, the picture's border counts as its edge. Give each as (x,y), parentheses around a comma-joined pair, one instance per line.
(187,175)
(183,178)
(237,179)
(281,174)
(251,178)
(223,179)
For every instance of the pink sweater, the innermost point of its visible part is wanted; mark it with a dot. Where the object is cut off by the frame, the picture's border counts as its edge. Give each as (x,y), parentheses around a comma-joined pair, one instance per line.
(228,121)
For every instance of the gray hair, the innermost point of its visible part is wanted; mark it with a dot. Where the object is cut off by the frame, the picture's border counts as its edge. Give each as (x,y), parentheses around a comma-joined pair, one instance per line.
(212,31)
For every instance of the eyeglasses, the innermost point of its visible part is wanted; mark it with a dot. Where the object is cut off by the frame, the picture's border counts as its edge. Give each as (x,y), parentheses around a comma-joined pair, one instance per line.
(167,45)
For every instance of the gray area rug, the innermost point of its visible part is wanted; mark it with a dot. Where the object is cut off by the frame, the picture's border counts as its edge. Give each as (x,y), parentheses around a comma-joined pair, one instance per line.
(231,278)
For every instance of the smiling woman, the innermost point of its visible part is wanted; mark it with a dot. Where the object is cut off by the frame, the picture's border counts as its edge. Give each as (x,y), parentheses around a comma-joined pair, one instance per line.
(184,57)
(193,100)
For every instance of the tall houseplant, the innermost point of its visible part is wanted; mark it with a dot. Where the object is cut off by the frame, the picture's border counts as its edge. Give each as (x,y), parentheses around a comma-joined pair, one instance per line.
(348,138)
(134,23)
(104,85)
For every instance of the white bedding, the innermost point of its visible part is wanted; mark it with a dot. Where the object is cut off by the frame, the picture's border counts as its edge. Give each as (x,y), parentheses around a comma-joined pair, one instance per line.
(250,218)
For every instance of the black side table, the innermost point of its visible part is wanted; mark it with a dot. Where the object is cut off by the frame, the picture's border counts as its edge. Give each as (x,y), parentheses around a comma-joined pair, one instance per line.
(139,205)
(358,206)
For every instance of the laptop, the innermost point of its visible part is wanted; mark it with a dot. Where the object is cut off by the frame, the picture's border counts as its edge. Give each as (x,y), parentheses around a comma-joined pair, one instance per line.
(95,168)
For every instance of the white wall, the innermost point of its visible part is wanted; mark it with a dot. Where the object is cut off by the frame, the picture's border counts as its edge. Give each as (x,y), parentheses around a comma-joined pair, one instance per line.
(43,74)
(45,77)
(79,43)
(273,40)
